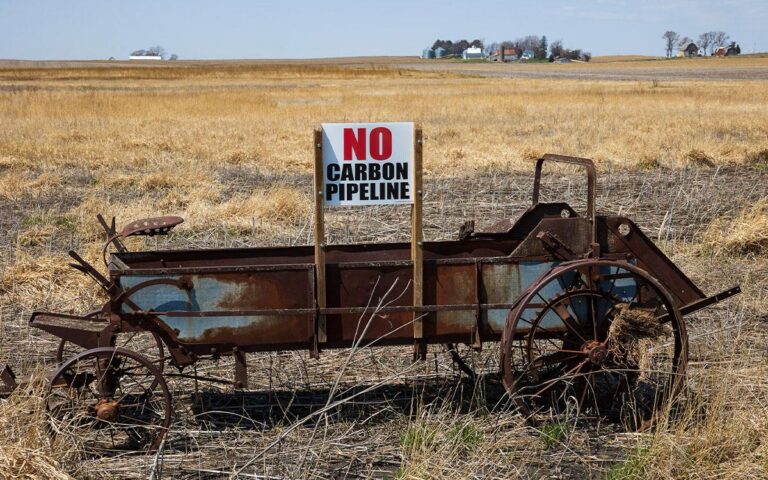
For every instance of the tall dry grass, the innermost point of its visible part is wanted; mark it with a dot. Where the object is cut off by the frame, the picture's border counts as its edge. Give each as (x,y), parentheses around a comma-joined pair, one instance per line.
(747,234)
(166,139)
(229,148)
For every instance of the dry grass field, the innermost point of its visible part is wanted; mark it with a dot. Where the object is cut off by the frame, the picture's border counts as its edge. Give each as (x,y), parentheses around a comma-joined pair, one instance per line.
(227,146)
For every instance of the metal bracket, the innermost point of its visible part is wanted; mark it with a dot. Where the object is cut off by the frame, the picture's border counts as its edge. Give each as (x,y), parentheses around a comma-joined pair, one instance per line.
(557,247)
(111,231)
(88,269)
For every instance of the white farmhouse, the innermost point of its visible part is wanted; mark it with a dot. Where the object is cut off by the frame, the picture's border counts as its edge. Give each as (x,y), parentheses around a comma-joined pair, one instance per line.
(472,52)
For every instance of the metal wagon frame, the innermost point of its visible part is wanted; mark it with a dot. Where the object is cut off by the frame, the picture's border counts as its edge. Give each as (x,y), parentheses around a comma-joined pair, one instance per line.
(552,277)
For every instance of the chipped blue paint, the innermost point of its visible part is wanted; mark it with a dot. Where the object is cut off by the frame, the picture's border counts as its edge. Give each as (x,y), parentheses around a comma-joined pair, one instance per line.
(501,282)
(623,289)
(207,294)
(504,282)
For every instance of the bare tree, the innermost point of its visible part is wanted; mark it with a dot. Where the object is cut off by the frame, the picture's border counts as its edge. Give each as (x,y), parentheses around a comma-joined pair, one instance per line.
(173,57)
(671,39)
(684,42)
(156,51)
(556,48)
(720,39)
(706,42)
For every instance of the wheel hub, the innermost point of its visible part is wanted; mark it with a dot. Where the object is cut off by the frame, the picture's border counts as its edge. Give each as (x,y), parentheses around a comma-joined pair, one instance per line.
(596,352)
(107,410)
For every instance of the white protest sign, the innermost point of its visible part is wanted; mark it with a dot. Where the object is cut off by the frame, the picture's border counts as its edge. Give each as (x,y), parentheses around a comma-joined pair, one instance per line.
(368,163)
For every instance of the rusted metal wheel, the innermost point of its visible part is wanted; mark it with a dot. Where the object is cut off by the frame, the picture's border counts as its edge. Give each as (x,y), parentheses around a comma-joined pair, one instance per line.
(599,337)
(109,400)
(149,343)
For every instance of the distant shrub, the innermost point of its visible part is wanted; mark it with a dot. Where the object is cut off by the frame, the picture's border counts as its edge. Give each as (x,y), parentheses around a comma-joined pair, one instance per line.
(700,159)
(648,162)
(759,158)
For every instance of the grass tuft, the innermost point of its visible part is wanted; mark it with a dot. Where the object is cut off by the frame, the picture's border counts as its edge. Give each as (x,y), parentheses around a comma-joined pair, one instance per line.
(699,159)
(747,234)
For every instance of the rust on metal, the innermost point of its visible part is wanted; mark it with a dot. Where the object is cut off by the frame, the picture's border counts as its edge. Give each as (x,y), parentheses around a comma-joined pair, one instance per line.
(486,286)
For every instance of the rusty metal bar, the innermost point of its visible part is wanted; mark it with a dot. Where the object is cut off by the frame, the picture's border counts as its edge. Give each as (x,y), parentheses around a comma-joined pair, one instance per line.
(704,302)
(477,341)
(591,183)
(241,369)
(326,311)
(232,269)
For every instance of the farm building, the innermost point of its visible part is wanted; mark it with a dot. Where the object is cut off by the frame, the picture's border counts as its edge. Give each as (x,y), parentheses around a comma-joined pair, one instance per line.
(145,57)
(503,55)
(439,52)
(728,51)
(472,53)
(427,53)
(688,50)
(528,55)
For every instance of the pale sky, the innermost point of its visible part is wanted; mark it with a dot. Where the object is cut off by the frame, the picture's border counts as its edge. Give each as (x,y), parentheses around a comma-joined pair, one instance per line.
(227,29)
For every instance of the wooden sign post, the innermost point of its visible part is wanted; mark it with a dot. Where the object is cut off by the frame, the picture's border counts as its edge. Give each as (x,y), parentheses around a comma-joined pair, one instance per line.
(417,242)
(368,164)
(321,335)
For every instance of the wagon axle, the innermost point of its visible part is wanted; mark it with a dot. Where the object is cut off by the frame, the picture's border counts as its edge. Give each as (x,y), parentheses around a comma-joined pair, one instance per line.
(107,409)
(596,351)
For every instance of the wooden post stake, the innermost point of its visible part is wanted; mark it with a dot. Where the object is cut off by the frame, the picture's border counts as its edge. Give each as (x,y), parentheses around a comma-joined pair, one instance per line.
(320,331)
(417,239)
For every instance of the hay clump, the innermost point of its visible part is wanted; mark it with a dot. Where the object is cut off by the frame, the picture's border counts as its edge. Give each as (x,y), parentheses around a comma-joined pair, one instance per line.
(632,325)
(758,158)
(747,234)
(699,159)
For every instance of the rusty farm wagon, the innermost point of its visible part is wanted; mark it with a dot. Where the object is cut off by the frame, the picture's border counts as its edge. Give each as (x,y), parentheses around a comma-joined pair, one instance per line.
(564,294)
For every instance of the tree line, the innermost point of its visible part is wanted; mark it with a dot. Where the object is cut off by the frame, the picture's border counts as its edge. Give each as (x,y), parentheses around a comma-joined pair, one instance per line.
(156,51)
(540,47)
(708,42)
(456,48)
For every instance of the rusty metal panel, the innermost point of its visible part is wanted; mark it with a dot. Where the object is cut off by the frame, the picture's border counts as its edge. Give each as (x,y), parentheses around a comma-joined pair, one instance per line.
(230,294)
(572,232)
(450,285)
(500,284)
(362,285)
(503,283)
(245,330)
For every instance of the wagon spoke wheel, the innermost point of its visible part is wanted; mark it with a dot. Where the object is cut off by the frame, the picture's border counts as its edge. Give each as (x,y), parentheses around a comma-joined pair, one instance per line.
(149,343)
(590,339)
(109,400)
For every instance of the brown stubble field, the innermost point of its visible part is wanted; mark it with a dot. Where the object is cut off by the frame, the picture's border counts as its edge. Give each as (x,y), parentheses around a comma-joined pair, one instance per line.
(228,147)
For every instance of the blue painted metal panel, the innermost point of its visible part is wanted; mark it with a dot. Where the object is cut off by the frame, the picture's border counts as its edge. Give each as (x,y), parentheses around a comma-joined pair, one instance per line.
(227,293)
